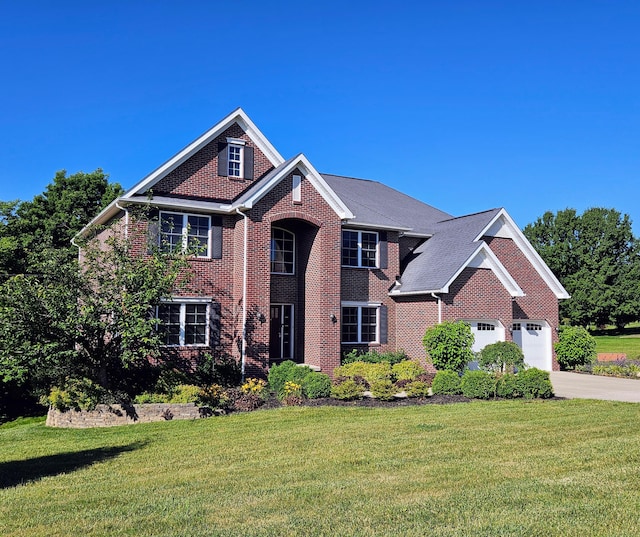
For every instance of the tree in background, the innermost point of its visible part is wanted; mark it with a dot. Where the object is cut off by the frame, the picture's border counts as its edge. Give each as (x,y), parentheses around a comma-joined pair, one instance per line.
(596,258)
(30,230)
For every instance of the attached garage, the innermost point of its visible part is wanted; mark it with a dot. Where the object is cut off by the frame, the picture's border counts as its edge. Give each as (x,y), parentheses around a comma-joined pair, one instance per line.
(485,333)
(534,338)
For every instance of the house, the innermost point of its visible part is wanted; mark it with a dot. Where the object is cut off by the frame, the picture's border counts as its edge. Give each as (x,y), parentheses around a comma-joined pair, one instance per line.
(295,264)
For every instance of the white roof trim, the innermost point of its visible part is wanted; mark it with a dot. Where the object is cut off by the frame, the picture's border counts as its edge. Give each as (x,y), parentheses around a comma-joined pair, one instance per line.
(529,251)
(237,116)
(311,174)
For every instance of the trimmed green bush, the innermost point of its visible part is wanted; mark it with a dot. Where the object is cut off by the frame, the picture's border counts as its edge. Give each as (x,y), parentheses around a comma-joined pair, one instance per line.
(316,385)
(384,390)
(507,386)
(76,394)
(287,371)
(446,382)
(371,372)
(347,390)
(407,370)
(373,357)
(575,347)
(185,393)
(534,383)
(448,345)
(503,356)
(478,385)
(417,388)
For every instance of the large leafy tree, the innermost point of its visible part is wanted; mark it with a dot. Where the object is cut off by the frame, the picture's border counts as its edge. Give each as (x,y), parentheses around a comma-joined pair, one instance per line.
(94,323)
(596,257)
(30,230)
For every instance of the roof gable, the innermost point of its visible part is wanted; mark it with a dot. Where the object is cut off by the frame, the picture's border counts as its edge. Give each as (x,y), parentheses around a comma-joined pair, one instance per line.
(237,116)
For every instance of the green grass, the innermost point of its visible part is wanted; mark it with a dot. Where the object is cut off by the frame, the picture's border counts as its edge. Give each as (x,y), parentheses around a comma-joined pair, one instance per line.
(626,340)
(533,468)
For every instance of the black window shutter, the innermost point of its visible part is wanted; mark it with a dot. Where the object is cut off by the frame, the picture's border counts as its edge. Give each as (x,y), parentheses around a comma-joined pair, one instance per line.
(384,250)
(214,324)
(223,160)
(216,237)
(384,324)
(248,162)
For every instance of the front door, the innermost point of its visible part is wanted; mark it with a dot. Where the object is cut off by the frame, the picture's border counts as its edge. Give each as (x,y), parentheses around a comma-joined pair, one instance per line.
(281,334)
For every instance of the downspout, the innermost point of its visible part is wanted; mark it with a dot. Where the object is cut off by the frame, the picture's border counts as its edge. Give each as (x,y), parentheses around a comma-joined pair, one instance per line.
(243,347)
(126,219)
(439,307)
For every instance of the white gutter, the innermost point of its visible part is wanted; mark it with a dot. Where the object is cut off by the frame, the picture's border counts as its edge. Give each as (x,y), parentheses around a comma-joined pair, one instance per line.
(439,307)
(243,347)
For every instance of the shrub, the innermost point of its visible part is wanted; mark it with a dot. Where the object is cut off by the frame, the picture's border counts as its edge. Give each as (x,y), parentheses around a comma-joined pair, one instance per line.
(287,371)
(446,382)
(407,370)
(373,357)
(575,347)
(186,393)
(254,386)
(478,385)
(149,397)
(384,390)
(347,390)
(213,396)
(448,345)
(417,388)
(316,385)
(221,368)
(292,393)
(76,394)
(242,402)
(507,386)
(371,372)
(503,356)
(533,383)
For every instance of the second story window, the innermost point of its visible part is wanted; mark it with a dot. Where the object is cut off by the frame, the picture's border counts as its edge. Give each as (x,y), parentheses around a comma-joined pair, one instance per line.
(235,160)
(282,251)
(185,233)
(359,248)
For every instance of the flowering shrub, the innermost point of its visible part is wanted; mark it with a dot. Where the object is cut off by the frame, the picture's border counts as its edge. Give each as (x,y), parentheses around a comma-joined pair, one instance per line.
(253,386)
(292,393)
(213,396)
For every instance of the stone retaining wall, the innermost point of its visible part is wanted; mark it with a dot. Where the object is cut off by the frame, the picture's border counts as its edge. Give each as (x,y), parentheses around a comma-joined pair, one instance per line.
(111,415)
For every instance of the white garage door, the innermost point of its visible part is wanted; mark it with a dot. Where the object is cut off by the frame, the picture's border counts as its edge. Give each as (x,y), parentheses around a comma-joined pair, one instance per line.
(485,333)
(534,338)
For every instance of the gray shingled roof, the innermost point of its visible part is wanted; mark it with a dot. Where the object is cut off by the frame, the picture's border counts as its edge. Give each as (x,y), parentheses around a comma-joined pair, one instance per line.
(378,205)
(434,263)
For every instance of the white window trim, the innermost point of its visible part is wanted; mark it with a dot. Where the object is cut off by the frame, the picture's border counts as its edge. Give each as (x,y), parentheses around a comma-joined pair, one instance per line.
(185,232)
(235,143)
(296,188)
(292,273)
(183,302)
(361,305)
(360,232)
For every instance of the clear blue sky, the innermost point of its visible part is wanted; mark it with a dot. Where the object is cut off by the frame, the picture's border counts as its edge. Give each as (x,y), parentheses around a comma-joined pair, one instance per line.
(466,105)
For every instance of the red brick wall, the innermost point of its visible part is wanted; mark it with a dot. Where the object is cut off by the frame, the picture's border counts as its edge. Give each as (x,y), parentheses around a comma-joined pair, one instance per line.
(198,176)
(414,314)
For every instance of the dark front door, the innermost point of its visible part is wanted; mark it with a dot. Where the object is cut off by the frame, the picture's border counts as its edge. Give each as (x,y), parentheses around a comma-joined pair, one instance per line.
(281,335)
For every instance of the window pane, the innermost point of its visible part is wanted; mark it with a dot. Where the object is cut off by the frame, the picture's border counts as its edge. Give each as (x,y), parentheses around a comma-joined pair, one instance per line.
(369,249)
(195,324)
(169,315)
(350,248)
(350,325)
(369,324)
(282,251)
(199,235)
(171,232)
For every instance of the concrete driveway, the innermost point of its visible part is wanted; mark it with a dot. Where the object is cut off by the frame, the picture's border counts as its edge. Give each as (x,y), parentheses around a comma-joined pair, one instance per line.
(579,386)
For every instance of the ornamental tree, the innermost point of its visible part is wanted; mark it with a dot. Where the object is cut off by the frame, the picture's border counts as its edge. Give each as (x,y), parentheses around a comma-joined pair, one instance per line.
(575,346)
(448,345)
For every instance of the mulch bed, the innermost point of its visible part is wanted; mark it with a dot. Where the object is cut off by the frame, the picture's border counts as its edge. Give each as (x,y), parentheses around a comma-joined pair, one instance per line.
(369,402)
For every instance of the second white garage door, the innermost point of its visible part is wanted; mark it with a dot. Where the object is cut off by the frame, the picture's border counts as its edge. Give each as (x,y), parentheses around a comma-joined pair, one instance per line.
(534,338)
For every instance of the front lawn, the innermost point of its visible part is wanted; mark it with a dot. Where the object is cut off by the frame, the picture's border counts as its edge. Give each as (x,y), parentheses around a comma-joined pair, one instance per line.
(482,468)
